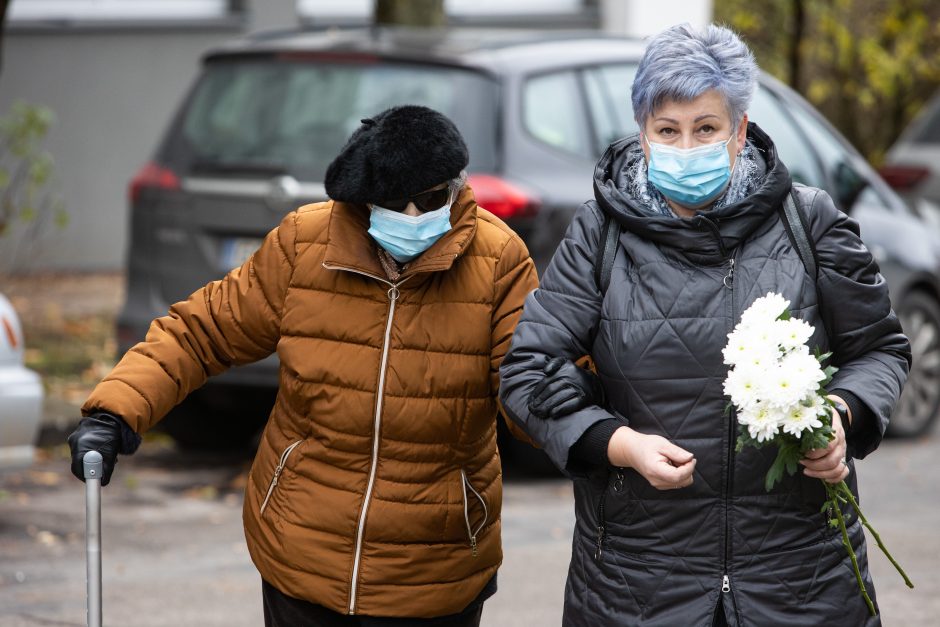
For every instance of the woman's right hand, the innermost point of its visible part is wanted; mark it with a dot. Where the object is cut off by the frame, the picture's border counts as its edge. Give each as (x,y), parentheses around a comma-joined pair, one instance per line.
(662,463)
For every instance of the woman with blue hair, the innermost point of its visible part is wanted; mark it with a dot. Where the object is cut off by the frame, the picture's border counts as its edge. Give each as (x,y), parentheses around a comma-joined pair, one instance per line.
(673,525)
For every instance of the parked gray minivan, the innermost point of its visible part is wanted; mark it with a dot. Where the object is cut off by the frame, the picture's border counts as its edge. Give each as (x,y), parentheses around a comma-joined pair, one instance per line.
(254,136)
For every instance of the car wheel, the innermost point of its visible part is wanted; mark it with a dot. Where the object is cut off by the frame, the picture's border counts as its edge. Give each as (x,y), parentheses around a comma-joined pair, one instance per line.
(920,402)
(218,418)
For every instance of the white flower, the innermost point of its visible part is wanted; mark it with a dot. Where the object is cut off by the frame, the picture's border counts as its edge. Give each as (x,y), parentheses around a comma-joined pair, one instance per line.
(743,385)
(762,421)
(783,388)
(773,381)
(793,333)
(801,417)
(752,346)
(805,368)
(765,310)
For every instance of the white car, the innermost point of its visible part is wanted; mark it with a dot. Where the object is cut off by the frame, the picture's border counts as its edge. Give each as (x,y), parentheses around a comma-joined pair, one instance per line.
(21,395)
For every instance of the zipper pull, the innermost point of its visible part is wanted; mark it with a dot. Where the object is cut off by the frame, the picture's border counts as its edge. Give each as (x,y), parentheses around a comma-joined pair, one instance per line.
(393,293)
(473,546)
(725,584)
(729,278)
(599,550)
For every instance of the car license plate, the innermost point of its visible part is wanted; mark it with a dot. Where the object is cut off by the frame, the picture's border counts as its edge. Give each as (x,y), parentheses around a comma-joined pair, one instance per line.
(237,250)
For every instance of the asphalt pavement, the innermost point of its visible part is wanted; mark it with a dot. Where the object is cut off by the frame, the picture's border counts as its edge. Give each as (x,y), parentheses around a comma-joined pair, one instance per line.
(174,554)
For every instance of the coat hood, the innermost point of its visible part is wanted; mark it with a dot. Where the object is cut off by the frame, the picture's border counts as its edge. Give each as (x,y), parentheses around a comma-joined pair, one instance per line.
(710,235)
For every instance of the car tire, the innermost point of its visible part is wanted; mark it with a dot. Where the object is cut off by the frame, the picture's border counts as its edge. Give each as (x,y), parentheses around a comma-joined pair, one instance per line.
(919,406)
(219,418)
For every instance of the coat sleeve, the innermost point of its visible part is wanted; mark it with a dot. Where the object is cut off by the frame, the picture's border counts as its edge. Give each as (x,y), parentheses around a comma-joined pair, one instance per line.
(229,322)
(559,320)
(515,278)
(869,348)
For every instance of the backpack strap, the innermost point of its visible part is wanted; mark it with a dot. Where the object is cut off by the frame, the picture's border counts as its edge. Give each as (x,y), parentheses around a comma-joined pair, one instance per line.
(797,227)
(604,259)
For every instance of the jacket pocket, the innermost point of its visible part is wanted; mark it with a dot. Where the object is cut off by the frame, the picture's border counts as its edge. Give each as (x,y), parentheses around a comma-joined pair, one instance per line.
(277,474)
(468,492)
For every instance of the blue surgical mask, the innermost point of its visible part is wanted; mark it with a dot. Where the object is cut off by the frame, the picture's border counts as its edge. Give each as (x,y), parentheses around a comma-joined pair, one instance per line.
(405,237)
(691,177)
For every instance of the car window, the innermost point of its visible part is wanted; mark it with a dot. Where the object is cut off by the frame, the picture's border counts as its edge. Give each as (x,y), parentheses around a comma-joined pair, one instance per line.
(608,96)
(928,130)
(553,114)
(298,114)
(790,141)
(846,184)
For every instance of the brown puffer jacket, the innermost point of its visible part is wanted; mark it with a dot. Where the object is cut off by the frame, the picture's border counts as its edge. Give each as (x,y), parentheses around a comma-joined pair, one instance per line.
(376,488)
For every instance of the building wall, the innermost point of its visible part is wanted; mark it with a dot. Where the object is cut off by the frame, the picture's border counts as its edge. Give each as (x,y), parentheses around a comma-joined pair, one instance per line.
(642,18)
(113,89)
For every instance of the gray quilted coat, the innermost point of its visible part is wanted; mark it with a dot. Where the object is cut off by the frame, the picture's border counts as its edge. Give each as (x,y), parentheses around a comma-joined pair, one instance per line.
(641,556)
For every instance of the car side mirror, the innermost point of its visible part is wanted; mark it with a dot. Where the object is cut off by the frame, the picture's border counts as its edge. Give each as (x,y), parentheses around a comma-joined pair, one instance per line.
(848,185)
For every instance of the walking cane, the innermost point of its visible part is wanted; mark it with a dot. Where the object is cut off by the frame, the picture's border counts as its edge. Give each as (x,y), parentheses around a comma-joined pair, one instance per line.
(91,465)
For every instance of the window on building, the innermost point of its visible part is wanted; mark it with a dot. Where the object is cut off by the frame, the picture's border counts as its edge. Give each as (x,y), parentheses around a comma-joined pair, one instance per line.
(115,10)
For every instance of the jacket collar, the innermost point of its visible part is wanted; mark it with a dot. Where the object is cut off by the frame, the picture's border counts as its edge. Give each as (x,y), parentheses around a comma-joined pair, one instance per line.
(350,247)
(709,236)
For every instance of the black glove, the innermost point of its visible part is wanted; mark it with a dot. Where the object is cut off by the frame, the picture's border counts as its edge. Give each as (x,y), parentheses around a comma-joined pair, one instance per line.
(566,388)
(107,434)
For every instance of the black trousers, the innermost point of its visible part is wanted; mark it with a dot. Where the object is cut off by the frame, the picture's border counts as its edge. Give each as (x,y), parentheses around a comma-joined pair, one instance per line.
(281,610)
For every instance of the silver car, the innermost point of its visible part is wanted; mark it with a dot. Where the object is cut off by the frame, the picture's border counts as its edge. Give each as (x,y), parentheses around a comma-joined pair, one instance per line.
(912,164)
(21,395)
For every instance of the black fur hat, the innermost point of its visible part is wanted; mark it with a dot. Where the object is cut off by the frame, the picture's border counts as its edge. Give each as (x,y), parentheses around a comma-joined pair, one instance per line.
(396,154)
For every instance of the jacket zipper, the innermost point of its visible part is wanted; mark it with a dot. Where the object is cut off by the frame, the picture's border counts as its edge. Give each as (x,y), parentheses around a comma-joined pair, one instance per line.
(728,282)
(393,294)
(471,533)
(601,532)
(277,473)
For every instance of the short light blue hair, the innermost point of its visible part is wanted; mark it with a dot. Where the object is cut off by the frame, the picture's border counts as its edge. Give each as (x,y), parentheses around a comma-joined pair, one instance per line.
(680,64)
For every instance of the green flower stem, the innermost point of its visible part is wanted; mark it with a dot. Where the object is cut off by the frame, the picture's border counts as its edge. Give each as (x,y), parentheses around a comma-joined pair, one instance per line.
(833,493)
(847,493)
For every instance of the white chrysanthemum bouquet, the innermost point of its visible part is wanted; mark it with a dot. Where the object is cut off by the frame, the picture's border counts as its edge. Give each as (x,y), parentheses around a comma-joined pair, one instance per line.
(777,389)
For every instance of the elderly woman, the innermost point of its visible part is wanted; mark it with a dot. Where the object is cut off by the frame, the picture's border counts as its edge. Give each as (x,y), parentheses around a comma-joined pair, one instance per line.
(673,525)
(374,497)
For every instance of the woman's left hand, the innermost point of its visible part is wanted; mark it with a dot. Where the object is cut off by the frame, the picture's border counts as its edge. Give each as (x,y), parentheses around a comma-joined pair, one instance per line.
(828,463)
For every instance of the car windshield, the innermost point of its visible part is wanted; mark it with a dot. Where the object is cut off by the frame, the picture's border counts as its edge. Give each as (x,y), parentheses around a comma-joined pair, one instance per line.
(268,116)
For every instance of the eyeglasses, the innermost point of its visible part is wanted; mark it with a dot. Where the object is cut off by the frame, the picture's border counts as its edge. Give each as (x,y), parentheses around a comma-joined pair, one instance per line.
(425,201)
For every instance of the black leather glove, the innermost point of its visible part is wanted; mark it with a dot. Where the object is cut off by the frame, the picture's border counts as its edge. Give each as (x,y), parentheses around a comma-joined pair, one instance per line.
(107,434)
(566,388)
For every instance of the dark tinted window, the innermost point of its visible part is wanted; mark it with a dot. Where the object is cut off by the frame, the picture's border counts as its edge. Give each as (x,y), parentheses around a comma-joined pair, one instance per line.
(846,184)
(298,115)
(928,131)
(791,142)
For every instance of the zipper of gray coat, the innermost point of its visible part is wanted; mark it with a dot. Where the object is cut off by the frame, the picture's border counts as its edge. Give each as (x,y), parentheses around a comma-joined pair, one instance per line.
(728,282)
(393,294)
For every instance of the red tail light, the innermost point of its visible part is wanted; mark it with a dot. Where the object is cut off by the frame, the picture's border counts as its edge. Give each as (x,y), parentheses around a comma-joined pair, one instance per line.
(153,175)
(502,199)
(126,336)
(903,177)
(11,334)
